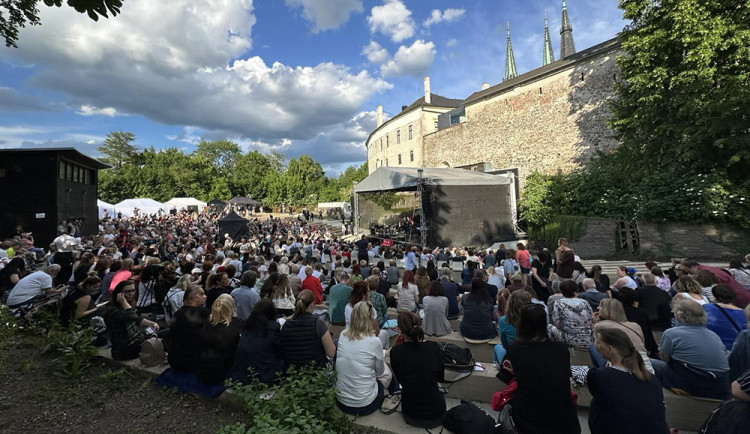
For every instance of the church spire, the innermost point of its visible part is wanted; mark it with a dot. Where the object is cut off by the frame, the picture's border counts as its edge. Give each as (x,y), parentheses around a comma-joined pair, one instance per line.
(510,60)
(549,55)
(566,35)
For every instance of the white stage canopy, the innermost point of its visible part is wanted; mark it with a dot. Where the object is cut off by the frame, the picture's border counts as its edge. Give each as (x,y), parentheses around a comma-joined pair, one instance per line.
(144,205)
(183,203)
(108,207)
(405,178)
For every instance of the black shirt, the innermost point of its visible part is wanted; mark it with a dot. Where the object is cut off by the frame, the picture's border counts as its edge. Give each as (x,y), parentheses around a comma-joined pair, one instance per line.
(640,317)
(622,404)
(418,366)
(656,303)
(183,337)
(542,402)
(218,344)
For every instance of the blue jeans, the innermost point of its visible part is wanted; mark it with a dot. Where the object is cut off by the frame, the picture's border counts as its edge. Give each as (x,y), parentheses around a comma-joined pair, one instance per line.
(369,408)
(597,358)
(499,353)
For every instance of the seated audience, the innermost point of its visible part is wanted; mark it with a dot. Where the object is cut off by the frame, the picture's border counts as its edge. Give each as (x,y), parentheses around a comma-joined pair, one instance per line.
(653,300)
(541,270)
(394,275)
(740,273)
(422,280)
(312,284)
(573,317)
(698,369)
(436,311)
(542,402)
(258,352)
(491,289)
(626,398)
(591,294)
(123,323)
(508,323)
(688,288)
(361,292)
(408,293)
(361,372)
(76,305)
(478,306)
(338,297)
(174,298)
(739,358)
(623,279)
(494,278)
(611,315)
(186,326)
(217,342)
(374,282)
(216,284)
(35,287)
(628,297)
(452,293)
(244,296)
(724,318)
(419,366)
(304,337)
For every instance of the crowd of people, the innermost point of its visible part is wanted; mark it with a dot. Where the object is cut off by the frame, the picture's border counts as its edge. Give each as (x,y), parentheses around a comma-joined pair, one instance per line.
(252,308)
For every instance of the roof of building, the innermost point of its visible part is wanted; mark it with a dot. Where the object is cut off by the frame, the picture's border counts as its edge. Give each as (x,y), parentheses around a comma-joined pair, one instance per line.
(435,101)
(544,71)
(71,153)
(405,178)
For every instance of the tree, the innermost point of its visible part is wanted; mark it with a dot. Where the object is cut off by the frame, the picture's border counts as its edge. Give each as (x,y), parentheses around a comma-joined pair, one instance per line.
(251,174)
(22,12)
(118,150)
(222,153)
(685,84)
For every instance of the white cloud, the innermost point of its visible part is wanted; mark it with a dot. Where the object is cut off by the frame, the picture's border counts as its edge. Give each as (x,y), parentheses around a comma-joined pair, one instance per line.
(392,19)
(447,16)
(89,110)
(327,14)
(451,42)
(414,60)
(375,53)
(184,63)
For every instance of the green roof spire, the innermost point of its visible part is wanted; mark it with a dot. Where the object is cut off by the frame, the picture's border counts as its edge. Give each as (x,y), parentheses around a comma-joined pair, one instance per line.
(510,60)
(567,47)
(549,55)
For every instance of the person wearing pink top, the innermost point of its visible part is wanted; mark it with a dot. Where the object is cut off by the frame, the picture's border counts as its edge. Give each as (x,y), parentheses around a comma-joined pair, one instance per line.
(743,295)
(122,275)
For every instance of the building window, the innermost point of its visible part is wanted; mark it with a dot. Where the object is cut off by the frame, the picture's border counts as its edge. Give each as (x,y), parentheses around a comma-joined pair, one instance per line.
(387,140)
(386,162)
(399,159)
(69,172)
(411,155)
(381,143)
(436,125)
(61,171)
(89,176)
(410,132)
(398,136)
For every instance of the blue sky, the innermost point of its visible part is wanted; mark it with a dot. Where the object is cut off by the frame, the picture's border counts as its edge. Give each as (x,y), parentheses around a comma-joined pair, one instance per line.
(294,76)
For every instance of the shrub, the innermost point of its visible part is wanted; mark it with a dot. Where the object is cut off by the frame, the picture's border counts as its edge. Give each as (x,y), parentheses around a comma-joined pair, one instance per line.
(304,401)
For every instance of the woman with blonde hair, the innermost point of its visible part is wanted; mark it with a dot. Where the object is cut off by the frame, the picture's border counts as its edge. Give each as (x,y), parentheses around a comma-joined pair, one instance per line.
(218,341)
(495,278)
(361,373)
(304,337)
(689,289)
(626,397)
(611,315)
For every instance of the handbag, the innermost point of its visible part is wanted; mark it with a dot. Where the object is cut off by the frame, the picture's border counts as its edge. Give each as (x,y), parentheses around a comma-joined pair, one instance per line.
(505,419)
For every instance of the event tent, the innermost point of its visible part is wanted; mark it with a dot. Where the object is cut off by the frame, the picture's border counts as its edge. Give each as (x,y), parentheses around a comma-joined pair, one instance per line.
(234,225)
(108,207)
(144,205)
(239,200)
(405,178)
(184,203)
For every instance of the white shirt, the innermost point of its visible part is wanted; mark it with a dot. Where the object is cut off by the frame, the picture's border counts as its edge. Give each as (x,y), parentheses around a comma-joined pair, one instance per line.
(29,287)
(358,363)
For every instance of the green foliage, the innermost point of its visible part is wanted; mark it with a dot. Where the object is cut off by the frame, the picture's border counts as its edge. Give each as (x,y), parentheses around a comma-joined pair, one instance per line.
(303,402)
(217,170)
(535,208)
(386,201)
(15,15)
(561,226)
(74,348)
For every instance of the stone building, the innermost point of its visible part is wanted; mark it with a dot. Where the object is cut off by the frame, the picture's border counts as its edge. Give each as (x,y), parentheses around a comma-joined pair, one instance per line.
(548,119)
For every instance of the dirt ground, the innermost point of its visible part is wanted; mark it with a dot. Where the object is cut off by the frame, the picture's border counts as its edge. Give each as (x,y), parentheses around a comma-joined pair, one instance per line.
(103,399)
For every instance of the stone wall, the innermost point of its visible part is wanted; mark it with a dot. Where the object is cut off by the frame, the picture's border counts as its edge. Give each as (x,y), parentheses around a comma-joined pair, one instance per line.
(554,123)
(690,241)
(599,241)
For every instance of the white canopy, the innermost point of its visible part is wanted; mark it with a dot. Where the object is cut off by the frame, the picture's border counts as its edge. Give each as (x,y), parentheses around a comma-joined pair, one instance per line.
(404,178)
(184,202)
(108,207)
(144,205)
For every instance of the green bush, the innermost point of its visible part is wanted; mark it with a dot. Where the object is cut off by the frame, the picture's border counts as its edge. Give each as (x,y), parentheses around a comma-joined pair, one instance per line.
(570,227)
(304,401)
(74,348)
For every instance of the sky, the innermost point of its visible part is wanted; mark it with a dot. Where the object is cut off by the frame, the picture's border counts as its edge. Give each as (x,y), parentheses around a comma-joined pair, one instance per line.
(292,76)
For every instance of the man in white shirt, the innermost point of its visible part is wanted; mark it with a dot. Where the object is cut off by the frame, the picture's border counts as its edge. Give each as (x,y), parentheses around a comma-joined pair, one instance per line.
(35,287)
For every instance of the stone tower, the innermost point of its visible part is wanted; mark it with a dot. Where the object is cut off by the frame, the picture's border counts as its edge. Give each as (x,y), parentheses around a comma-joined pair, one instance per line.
(549,55)
(510,60)
(567,47)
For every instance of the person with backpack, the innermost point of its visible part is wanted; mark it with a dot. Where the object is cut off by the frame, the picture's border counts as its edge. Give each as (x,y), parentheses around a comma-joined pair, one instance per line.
(418,366)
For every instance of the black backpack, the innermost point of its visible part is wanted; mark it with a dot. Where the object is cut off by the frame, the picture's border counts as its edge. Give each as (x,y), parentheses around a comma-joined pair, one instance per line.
(467,418)
(457,358)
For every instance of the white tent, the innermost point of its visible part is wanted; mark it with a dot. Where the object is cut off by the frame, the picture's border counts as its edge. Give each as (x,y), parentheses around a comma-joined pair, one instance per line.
(108,207)
(144,205)
(183,203)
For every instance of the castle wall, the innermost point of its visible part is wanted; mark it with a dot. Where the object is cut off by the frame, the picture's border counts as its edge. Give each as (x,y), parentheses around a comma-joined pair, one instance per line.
(553,123)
